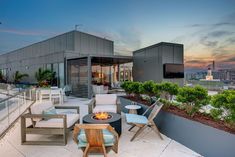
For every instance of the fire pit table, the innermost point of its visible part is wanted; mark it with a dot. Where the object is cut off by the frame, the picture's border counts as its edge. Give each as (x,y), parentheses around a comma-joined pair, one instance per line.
(113,119)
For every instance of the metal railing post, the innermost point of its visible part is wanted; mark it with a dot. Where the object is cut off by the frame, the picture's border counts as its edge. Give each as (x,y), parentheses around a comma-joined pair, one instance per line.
(8,113)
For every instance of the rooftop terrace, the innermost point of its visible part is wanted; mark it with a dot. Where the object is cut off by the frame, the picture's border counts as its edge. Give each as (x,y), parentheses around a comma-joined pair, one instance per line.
(147,144)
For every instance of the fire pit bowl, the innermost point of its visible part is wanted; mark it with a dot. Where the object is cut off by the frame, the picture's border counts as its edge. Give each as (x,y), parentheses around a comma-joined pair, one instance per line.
(113,119)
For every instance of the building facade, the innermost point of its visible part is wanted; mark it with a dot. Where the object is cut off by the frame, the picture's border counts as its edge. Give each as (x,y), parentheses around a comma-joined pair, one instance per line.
(83,61)
(58,54)
(148,63)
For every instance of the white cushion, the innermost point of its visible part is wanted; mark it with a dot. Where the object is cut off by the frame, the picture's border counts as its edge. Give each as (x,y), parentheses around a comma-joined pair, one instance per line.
(66,111)
(38,108)
(58,122)
(105,108)
(105,99)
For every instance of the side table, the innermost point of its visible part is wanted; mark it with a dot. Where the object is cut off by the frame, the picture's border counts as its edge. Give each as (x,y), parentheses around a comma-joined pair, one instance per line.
(133,108)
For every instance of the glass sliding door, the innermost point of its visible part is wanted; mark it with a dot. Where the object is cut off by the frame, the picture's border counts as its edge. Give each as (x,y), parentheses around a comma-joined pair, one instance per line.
(77,71)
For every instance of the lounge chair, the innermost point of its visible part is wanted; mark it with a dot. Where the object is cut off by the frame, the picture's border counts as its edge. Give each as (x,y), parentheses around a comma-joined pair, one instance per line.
(96,138)
(48,120)
(143,122)
(105,103)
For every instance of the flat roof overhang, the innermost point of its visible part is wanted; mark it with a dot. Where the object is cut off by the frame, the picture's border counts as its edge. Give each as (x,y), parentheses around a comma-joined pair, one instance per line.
(110,60)
(106,60)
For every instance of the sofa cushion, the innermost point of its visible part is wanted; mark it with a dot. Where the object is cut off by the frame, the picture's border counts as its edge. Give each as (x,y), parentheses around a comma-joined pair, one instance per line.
(58,122)
(39,107)
(105,99)
(66,111)
(107,135)
(105,108)
(50,110)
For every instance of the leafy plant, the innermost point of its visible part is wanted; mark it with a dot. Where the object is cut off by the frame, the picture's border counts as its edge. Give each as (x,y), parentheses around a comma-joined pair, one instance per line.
(19,76)
(148,88)
(157,90)
(135,88)
(1,77)
(168,89)
(226,101)
(43,76)
(166,103)
(193,98)
(216,113)
(126,86)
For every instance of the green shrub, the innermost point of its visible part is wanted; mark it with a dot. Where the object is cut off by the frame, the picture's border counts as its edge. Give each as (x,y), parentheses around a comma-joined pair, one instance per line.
(168,89)
(226,101)
(216,113)
(166,103)
(135,88)
(193,97)
(157,90)
(126,86)
(147,88)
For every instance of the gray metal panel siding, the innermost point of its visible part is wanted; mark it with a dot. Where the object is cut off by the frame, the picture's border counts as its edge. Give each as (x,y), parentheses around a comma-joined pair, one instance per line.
(145,63)
(148,62)
(92,45)
(35,55)
(173,54)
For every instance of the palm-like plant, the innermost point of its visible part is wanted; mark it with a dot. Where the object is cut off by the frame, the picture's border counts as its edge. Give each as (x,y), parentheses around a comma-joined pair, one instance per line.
(1,76)
(19,76)
(43,76)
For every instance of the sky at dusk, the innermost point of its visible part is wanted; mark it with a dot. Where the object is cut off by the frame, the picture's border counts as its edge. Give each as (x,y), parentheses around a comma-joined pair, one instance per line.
(205,27)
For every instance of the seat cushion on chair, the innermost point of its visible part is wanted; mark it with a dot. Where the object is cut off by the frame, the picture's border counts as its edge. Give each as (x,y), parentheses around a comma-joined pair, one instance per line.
(105,108)
(134,118)
(105,99)
(50,110)
(39,107)
(108,138)
(58,122)
(66,111)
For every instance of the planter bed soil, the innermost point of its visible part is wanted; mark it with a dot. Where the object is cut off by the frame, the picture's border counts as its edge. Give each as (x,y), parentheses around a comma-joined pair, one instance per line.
(199,117)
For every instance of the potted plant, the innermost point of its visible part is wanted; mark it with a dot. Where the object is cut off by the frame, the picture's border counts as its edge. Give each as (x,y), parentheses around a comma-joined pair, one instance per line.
(19,76)
(44,77)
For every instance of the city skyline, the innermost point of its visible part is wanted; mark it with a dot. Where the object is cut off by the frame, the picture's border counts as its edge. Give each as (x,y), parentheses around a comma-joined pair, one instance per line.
(206,28)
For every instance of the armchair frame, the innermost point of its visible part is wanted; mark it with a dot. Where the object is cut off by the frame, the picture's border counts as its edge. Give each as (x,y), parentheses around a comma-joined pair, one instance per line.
(31,129)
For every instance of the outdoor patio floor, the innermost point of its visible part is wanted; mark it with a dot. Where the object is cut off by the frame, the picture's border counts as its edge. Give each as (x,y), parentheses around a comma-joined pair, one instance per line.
(147,144)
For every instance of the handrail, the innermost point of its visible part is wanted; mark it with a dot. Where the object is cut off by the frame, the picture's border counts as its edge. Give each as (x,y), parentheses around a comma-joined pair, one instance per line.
(12,96)
(16,109)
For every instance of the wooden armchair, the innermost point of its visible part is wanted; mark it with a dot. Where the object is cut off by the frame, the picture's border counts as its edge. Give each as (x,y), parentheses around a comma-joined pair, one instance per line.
(96,138)
(48,124)
(106,103)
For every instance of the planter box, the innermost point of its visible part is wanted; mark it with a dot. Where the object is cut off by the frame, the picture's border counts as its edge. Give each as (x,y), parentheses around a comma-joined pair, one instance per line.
(205,140)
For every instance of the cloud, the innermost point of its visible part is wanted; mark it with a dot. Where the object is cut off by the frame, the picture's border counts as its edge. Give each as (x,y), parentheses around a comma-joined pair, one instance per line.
(26,32)
(230,59)
(231,40)
(204,41)
(217,34)
(198,25)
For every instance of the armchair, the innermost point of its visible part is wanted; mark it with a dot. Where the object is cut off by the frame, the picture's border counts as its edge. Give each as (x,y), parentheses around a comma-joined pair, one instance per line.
(106,103)
(48,120)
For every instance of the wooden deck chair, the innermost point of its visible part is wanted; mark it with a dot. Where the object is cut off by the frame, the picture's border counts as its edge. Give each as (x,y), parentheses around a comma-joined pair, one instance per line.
(143,122)
(95,138)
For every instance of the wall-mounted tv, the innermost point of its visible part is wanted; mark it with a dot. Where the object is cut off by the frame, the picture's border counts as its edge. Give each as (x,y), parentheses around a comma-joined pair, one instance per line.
(173,70)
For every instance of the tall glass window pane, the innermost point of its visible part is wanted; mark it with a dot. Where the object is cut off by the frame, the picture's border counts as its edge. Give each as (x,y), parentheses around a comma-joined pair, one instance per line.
(78,76)
(61,75)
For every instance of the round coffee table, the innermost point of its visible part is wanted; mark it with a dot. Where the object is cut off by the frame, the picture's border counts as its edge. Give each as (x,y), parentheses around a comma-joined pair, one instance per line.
(115,121)
(133,108)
